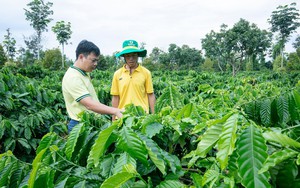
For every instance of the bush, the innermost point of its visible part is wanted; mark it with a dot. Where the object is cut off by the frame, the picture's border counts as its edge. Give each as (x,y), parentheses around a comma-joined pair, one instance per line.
(52,59)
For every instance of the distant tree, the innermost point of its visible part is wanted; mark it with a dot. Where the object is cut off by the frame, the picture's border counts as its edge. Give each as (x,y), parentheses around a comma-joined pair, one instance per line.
(294,61)
(3,58)
(52,59)
(215,47)
(25,57)
(142,45)
(38,15)
(9,44)
(174,56)
(63,34)
(30,53)
(285,20)
(155,54)
(105,62)
(296,44)
(276,50)
(232,48)
(190,58)
(208,65)
(277,63)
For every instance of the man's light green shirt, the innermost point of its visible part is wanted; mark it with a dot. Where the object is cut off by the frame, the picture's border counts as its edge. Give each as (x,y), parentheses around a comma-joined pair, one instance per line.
(76,85)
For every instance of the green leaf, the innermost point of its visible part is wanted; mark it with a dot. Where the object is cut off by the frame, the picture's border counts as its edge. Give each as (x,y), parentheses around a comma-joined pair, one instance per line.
(186,111)
(132,144)
(150,126)
(46,141)
(170,97)
(265,111)
(35,167)
(252,151)
(276,158)
(62,183)
(154,153)
(24,143)
(208,140)
(5,174)
(72,140)
(106,166)
(282,139)
(197,179)
(17,175)
(27,133)
(172,161)
(283,109)
(226,143)
(124,159)
(210,176)
(98,148)
(170,183)
(169,120)
(297,98)
(117,180)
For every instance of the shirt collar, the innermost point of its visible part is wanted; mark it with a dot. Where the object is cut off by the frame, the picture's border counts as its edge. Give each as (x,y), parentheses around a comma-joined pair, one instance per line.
(79,70)
(137,69)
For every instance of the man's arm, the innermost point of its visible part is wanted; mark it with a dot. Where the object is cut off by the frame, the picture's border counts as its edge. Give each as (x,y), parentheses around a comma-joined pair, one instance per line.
(151,99)
(100,108)
(115,103)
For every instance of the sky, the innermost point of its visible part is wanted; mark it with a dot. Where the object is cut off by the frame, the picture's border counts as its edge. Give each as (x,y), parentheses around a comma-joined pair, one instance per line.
(157,23)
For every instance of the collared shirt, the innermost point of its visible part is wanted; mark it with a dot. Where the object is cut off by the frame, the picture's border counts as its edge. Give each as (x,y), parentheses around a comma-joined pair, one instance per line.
(132,88)
(76,85)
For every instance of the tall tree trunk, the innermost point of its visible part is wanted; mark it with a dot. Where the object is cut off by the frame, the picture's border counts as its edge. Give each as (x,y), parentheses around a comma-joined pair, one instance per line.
(281,57)
(62,56)
(39,44)
(219,65)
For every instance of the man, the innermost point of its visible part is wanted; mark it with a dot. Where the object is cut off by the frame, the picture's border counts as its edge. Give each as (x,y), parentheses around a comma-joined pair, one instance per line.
(78,90)
(132,84)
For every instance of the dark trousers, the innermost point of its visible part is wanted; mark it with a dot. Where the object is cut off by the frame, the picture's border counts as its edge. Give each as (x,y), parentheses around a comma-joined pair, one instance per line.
(72,124)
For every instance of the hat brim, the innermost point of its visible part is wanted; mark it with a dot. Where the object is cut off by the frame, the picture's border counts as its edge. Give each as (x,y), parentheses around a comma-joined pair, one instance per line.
(141,53)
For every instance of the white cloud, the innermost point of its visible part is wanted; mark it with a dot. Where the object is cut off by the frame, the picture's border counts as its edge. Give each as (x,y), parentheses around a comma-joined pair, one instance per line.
(157,23)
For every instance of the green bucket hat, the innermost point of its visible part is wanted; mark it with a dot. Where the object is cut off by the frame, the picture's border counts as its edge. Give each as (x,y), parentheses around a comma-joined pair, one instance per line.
(131,46)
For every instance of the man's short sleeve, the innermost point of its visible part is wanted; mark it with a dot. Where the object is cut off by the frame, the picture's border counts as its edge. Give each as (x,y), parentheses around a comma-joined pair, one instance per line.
(115,85)
(149,84)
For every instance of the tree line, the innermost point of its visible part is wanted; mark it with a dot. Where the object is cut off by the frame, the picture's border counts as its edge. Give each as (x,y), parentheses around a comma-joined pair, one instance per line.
(241,47)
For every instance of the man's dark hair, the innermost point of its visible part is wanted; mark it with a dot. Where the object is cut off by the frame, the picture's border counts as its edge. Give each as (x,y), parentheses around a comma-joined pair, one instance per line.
(86,47)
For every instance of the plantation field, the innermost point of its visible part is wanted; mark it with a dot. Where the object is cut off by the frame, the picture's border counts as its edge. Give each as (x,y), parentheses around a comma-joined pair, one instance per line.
(209,130)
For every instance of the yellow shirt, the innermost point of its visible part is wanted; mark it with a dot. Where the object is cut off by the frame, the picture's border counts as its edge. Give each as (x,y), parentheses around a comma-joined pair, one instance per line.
(76,85)
(134,88)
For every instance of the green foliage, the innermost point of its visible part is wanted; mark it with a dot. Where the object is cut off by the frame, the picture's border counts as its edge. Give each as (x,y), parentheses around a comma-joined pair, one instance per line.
(52,59)
(277,63)
(28,109)
(3,58)
(207,65)
(276,111)
(9,44)
(293,62)
(38,14)
(285,21)
(234,47)
(63,34)
(170,97)
(252,151)
(209,130)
